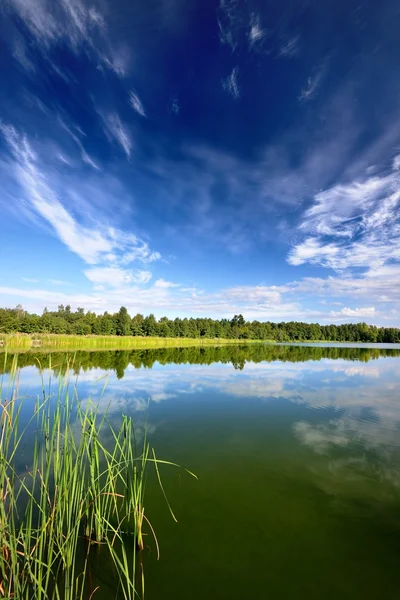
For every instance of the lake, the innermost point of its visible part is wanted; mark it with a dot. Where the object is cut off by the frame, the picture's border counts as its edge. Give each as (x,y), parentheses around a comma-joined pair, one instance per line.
(297,453)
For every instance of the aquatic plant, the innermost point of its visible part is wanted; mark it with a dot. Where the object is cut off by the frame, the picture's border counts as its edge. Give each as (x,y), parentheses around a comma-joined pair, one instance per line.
(20,342)
(82,493)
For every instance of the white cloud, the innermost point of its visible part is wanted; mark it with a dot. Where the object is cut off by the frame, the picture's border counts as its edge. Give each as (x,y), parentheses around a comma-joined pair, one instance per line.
(136,104)
(311,87)
(62,158)
(175,106)
(396,162)
(88,160)
(367,311)
(70,22)
(84,155)
(117,277)
(58,282)
(95,243)
(309,91)
(43,297)
(312,251)
(378,285)
(350,225)
(342,209)
(115,130)
(262,295)
(118,60)
(256,33)
(229,22)
(20,54)
(290,47)
(38,19)
(161,283)
(135,249)
(30,280)
(230,83)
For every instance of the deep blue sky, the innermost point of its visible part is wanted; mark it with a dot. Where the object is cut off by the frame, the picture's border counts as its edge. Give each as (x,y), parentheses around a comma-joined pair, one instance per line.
(202,157)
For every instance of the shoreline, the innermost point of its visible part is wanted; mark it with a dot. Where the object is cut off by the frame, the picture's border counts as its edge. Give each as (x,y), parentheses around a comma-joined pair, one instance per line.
(21,342)
(68,343)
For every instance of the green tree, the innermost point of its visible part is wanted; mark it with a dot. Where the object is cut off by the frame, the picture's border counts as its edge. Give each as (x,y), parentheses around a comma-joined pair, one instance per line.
(123,322)
(150,325)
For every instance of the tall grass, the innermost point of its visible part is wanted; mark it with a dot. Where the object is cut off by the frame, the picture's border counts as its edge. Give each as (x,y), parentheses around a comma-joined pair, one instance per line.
(82,493)
(106,342)
(20,341)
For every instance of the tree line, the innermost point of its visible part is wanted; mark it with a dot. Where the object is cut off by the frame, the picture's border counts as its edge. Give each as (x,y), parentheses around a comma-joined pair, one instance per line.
(81,322)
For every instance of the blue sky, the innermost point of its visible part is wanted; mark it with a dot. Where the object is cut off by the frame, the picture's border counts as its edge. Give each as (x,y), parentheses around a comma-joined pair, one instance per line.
(202,158)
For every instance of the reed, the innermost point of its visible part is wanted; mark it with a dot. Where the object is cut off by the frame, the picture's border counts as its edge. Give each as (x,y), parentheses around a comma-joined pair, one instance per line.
(78,496)
(103,342)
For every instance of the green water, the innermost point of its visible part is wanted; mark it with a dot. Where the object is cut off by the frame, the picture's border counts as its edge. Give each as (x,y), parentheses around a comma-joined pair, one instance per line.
(297,450)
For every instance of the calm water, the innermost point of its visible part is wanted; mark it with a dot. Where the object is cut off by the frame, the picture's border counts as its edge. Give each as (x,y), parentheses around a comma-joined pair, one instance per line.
(297,450)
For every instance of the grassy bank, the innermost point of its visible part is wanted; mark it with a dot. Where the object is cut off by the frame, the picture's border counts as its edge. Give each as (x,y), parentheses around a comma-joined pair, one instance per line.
(20,341)
(72,493)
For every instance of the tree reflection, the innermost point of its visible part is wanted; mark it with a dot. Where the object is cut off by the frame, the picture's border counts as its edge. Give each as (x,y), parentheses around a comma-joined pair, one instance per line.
(237,356)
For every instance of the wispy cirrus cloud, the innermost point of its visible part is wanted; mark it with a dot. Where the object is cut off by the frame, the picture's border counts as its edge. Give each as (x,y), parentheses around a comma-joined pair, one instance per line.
(290,47)
(314,81)
(58,282)
(94,242)
(75,136)
(230,22)
(268,185)
(136,104)
(175,106)
(257,34)
(241,29)
(117,59)
(62,158)
(71,22)
(116,131)
(21,55)
(309,91)
(231,85)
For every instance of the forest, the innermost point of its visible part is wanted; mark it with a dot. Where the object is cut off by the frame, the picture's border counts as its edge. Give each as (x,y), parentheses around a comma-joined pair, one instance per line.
(80,322)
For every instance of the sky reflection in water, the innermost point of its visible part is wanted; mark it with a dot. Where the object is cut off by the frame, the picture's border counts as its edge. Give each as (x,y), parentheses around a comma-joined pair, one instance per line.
(279,446)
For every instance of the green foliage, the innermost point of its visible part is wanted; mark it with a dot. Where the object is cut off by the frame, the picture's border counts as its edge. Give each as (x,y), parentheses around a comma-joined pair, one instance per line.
(82,490)
(123,322)
(64,321)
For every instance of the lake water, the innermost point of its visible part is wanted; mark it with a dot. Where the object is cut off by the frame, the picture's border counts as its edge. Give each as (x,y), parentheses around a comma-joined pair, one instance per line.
(297,451)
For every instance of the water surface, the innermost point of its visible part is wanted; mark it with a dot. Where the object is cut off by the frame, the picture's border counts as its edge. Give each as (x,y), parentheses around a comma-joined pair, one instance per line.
(297,450)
